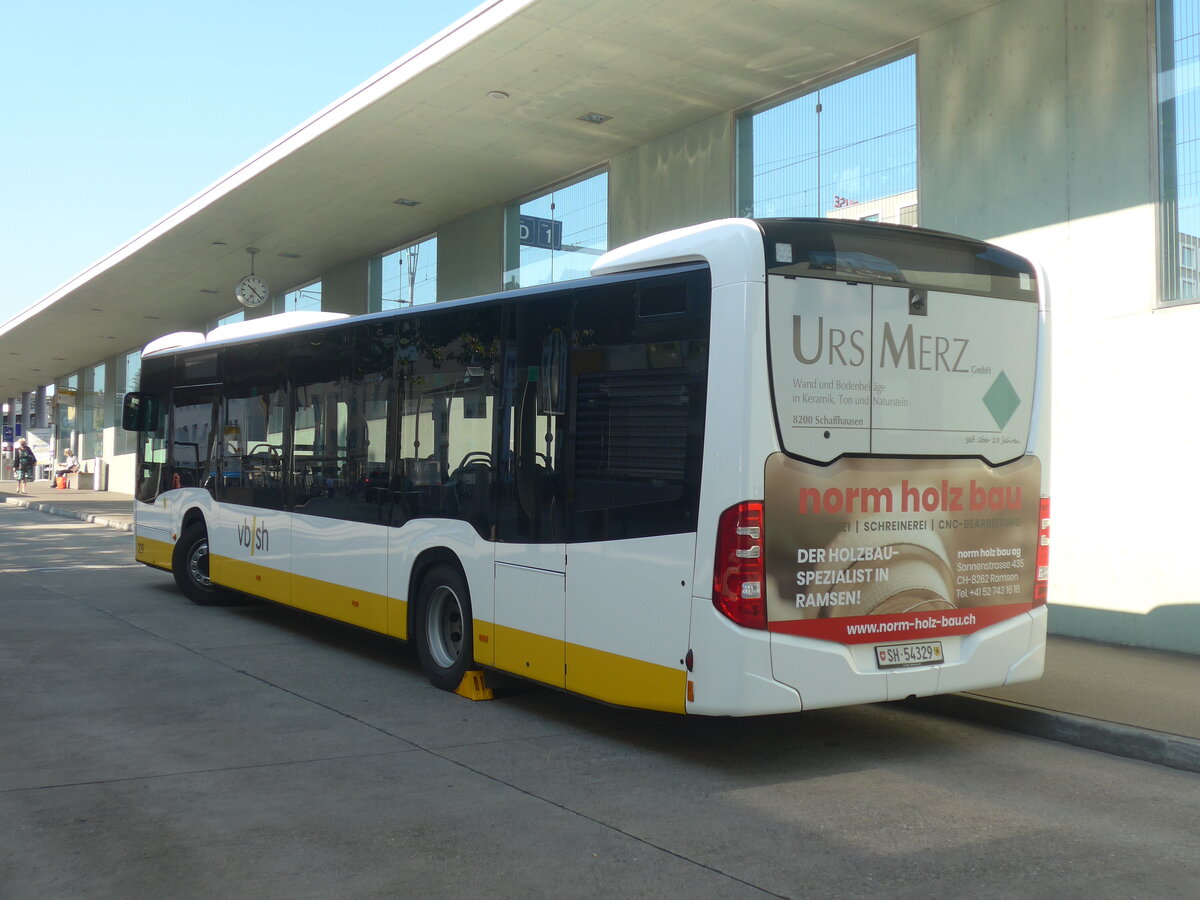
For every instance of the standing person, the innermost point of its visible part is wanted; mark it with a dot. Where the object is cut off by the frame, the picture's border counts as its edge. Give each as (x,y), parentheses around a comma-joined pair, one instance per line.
(24,463)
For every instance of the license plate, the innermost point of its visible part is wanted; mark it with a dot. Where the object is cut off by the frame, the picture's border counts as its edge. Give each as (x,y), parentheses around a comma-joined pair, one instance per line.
(926,653)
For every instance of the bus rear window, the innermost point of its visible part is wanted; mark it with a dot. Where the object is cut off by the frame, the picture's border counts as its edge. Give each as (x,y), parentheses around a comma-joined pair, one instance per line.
(895,254)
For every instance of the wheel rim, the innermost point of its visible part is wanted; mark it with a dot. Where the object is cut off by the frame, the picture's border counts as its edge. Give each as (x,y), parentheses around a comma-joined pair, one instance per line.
(197,564)
(444,626)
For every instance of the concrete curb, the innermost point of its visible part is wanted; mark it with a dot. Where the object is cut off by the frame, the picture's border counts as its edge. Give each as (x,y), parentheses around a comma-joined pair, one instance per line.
(70,514)
(1158,747)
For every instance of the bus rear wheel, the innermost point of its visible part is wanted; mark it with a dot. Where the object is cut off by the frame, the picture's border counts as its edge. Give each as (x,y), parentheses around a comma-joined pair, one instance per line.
(443,627)
(189,565)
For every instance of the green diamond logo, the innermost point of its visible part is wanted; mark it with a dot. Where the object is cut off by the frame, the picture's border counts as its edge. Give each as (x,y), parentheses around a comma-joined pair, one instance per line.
(1001,400)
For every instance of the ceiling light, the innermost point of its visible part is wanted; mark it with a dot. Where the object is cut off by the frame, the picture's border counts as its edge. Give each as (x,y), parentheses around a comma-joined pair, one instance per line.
(498,95)
(290,255)
(219,244)
(404,202)
(208,291)
(594,118)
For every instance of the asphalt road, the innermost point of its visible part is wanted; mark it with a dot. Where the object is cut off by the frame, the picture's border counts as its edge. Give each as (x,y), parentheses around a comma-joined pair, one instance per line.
(153,748)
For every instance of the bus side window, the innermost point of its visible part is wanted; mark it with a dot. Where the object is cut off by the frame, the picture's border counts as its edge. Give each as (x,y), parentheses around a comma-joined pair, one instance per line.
(191,437)
(447,421)
(532,427)
(341,383)
(153,457)
(639,368)
(250,433)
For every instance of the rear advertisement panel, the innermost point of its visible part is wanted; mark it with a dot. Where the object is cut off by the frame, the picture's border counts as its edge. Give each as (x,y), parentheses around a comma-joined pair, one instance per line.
(894,550)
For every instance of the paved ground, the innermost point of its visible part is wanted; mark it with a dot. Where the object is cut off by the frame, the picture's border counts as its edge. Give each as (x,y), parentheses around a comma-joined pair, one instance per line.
(1122,700)
(154,748)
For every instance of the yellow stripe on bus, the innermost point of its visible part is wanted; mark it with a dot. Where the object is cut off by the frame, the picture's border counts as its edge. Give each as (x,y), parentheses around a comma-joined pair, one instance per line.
(249,578)
(625,681)
(153,553)
(346,604)
(609,677)
(529,655)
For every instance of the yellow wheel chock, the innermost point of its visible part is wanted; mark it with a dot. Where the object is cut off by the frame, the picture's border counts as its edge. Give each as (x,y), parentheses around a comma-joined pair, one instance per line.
(474,686)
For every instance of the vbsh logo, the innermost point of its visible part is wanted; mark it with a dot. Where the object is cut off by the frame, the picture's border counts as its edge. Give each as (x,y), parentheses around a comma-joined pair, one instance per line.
(254,537)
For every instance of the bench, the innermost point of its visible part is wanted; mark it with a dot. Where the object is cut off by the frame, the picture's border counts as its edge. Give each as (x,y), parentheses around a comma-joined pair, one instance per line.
(94,480)
(80,481)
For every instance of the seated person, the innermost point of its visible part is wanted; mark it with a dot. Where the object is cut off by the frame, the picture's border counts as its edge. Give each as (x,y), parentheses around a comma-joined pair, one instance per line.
(70,464)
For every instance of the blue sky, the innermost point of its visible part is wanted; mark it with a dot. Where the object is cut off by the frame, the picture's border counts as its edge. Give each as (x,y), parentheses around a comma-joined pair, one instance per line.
(115,113)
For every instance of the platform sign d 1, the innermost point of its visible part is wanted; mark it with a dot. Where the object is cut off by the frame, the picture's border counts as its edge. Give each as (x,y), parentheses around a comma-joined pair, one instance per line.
(544,233)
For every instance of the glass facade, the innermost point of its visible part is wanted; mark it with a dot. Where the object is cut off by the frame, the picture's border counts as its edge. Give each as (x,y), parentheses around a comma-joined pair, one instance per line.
(1179,146)
(65,419)
(405,277)
(129,370)
(238,315)
(307,299)
(844,150)
(91,437)
(557,236)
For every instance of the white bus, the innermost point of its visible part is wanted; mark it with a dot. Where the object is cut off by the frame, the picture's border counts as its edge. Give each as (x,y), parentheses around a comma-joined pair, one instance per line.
(746,467)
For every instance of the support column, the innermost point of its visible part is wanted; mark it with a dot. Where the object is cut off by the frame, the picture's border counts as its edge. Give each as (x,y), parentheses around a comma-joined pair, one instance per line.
(344,288)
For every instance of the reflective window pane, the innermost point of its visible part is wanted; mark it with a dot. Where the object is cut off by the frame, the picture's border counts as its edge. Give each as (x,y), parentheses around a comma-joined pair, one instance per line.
(1179,145)
(405,277)
(846,150)
(559,235)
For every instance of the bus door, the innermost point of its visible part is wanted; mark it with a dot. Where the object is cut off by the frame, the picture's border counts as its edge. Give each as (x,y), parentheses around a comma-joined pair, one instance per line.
(252,549)
(530,548)
(174,458)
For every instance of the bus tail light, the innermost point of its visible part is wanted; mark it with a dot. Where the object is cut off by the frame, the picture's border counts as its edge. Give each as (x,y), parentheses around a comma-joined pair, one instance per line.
(1043,554)
(738,565)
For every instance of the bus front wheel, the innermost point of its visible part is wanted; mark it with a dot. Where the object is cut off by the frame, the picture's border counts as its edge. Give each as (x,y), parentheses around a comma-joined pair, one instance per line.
(189,565)
(443,627)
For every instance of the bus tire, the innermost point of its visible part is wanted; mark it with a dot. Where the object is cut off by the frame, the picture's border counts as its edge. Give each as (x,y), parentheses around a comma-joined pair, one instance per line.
(189,565)
(443,626)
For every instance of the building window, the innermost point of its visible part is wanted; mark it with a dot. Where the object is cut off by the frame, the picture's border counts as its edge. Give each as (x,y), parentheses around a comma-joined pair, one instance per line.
(128,376)
(1179,145)
(238,315)
(557,236)
(303,299)
(844,150)
(93,419)
(405,277)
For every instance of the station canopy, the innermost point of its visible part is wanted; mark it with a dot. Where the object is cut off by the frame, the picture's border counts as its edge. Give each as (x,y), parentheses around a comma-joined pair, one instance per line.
(430,129)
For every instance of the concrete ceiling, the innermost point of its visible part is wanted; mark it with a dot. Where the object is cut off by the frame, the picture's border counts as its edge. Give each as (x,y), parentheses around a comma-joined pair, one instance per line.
(425,129)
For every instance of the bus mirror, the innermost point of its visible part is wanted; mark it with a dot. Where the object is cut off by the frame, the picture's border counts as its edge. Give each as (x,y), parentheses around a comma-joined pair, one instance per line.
(140,412)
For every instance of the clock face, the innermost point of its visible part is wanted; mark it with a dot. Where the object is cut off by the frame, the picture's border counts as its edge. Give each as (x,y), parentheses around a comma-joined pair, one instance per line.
(252,291)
